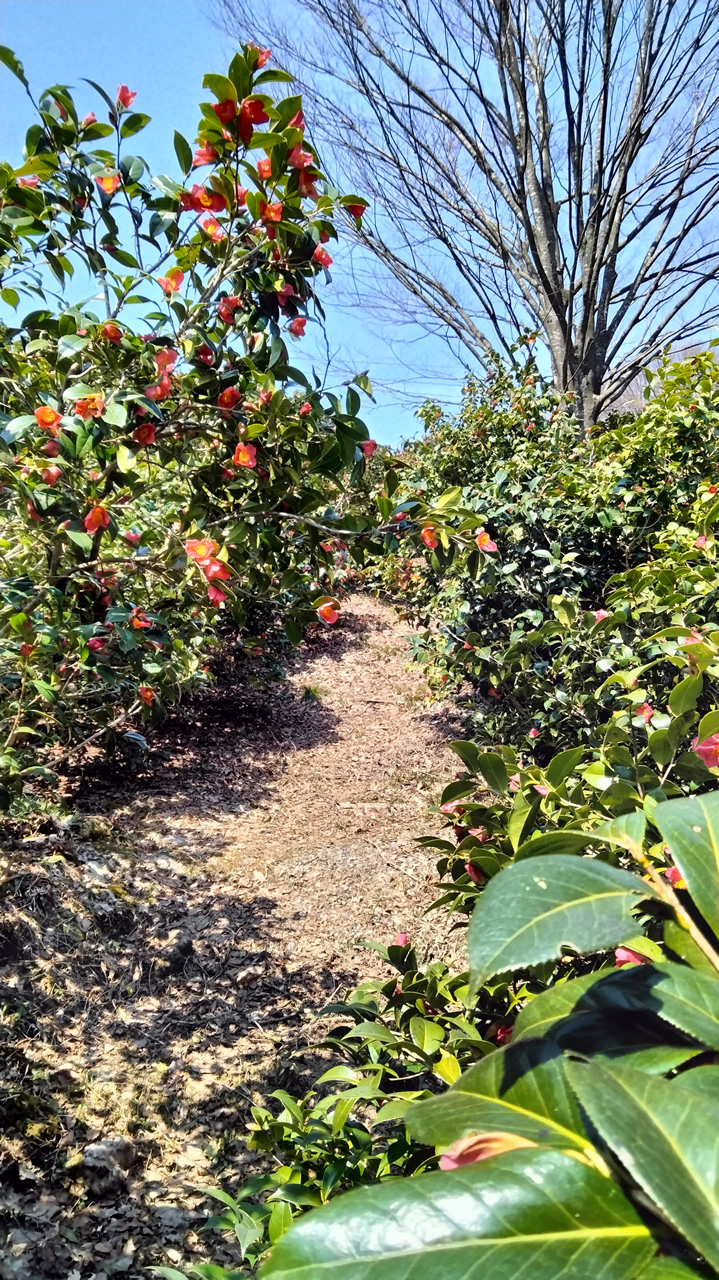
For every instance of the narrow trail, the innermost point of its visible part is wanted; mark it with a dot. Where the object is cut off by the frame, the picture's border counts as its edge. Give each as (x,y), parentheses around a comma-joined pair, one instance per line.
(198,918)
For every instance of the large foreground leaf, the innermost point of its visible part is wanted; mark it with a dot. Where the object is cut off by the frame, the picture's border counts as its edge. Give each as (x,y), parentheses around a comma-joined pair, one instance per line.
(675,993)
(691,829)
(666,1137)
(520,1089)
(534,909)
(535,1213)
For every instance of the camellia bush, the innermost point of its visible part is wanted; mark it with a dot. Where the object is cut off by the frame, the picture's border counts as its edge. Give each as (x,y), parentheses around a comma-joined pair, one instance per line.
(586,547)
(585,1145)
(164,463)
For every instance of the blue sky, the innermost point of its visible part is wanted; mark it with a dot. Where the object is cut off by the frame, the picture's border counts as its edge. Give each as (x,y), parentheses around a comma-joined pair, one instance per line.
(162,48)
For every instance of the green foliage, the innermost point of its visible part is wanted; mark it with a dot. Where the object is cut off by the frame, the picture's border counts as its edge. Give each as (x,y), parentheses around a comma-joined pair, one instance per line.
(600,541)
(161,457)
(601,1090)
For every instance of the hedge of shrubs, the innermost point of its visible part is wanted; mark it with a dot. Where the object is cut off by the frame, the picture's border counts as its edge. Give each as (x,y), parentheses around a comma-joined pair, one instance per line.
(552,1108)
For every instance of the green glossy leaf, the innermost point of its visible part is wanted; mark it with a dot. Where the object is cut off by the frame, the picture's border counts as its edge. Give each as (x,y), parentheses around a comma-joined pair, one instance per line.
(683,696)
(541,1213)
(670,1269)
(183,151)
(493,770)
(536,908)
(518,1089)
(563,765)
(664,1138)
(691,829)
(674,993)
(133,123)
(222,87)
(468,753)
(13,63)
(427,1035)
(556,842)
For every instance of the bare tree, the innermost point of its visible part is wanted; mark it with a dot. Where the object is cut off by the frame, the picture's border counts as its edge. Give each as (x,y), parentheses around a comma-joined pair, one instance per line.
(542,164)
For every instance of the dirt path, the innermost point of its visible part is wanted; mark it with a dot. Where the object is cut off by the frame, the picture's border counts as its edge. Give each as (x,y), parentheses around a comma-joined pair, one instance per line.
(205,913)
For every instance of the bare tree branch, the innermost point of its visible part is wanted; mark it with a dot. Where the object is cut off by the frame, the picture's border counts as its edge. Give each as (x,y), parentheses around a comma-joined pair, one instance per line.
(543,164)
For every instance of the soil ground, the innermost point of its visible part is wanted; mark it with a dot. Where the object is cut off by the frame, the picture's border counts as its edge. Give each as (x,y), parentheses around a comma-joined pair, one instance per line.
(164,953)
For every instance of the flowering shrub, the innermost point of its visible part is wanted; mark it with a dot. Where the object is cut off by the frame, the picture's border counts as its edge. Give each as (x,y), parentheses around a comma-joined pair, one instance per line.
(163,459)
(575,588)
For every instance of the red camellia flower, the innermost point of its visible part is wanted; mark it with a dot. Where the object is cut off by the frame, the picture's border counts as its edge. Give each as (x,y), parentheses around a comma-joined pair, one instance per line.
(321,255)
(108,184)
(264,168)
(216,595)
(305,409)
(228,398)
(625,955)
(241,195)
(205,154)
(95,643)
(474,873)
(215,569)
(96,519)
(51,449)
(213,229)
(145,434)
(125,96)
(297,327)
(48,418)
(263,56)
(675,878)
(204,354)
(504,1033)
(712,488)
(87,120)
(484,542)
(32,180)
(166,358)
(27,649)
(111,331)
(200,200)
(708,750)
(252,112)
(287,291)
(480,1147)
(225,111)
(132,535)
(147,694)
(328,612)
(200,549)
(429,536)
(306,184)
(227,308)
(368,447)
(540,788)
(172,282)
(32,511)
(601,614)
(270,212)
(160,390)
(299,159)
(533,733)
(90,407)
(645,711)
(701,542)
(357,210)
(140,620)
(245,455)
(51,475)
